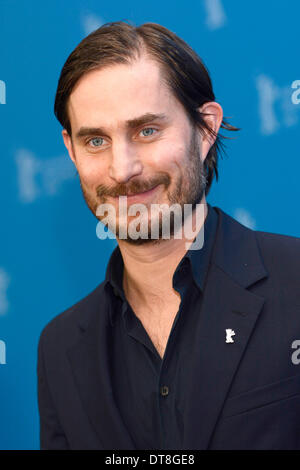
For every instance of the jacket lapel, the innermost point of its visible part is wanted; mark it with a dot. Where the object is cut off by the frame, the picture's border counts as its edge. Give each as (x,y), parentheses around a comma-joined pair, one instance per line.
(227,304)
(89,359)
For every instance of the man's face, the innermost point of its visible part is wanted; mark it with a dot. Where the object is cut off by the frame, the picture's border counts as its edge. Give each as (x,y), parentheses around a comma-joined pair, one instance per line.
(156,160)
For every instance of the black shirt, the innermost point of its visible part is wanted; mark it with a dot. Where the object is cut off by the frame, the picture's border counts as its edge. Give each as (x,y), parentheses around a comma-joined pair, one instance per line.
(151,392)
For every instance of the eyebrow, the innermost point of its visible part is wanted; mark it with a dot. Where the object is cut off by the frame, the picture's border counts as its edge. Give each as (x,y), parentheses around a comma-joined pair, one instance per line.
(129,124)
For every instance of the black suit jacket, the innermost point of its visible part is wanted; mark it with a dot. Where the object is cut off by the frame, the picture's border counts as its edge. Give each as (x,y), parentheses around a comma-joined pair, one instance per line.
(247,393)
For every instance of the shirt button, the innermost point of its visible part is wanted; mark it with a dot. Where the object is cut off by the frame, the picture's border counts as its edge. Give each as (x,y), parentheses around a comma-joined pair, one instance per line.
(164,391)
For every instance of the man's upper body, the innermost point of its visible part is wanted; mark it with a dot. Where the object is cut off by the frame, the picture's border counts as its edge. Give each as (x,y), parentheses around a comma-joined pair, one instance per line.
(182,346)
(103,384)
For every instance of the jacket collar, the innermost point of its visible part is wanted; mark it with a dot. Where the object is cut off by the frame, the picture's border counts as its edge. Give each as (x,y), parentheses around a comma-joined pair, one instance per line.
(236,264)
(237,252)
(227,304)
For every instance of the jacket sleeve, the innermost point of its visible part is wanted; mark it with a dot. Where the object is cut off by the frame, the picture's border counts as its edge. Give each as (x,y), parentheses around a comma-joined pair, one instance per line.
(51,433)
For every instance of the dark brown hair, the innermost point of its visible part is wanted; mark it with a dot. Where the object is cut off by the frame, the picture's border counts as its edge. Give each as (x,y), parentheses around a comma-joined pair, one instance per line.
(182,70)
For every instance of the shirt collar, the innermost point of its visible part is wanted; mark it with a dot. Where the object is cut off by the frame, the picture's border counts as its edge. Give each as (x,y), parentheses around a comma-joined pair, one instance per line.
(197,260)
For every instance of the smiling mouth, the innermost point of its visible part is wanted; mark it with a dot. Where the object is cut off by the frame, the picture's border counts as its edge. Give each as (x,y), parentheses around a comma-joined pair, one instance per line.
(133,196)
(143,192)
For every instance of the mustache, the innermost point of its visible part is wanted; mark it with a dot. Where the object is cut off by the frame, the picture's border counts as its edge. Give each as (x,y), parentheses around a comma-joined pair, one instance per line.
(134,187)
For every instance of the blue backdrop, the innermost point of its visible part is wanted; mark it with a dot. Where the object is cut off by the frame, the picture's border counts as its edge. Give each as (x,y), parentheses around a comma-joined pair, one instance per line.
(50,256)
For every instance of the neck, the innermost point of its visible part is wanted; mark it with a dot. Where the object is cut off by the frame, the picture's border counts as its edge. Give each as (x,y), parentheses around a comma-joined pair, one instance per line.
(149,268)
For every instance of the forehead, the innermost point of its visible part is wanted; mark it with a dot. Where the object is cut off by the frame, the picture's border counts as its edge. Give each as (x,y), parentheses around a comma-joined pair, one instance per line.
(114,94)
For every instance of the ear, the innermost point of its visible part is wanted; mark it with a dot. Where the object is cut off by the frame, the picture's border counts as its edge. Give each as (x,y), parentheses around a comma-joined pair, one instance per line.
(214,120)
(68,143)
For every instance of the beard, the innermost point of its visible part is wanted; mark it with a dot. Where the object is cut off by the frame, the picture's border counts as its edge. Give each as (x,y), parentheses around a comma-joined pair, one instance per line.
(188,188)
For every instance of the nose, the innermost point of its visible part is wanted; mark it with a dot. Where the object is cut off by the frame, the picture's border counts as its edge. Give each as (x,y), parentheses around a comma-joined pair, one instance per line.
(125,162)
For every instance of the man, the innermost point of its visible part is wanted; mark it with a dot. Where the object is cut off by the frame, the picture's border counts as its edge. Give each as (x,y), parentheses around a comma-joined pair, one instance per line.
(179,347)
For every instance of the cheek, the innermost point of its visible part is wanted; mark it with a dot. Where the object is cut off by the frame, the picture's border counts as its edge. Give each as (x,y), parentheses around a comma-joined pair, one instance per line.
(168,157)
(91,172)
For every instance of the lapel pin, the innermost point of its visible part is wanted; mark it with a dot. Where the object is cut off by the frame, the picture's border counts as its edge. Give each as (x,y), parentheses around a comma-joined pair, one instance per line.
(229,334)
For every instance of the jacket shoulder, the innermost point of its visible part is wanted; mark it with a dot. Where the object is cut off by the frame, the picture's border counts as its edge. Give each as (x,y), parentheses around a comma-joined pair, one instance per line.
(279,245)
(64,324)
(274,255)
(270,243)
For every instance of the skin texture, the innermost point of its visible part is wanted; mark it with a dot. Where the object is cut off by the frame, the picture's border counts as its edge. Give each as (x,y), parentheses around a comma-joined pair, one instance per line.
(165,154)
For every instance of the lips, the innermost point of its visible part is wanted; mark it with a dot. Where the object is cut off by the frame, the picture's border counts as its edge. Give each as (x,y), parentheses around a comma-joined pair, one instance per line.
(140,196)
(143,192)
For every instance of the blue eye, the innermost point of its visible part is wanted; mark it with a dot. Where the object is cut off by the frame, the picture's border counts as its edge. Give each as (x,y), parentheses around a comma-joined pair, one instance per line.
(96,141)
(147,129)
